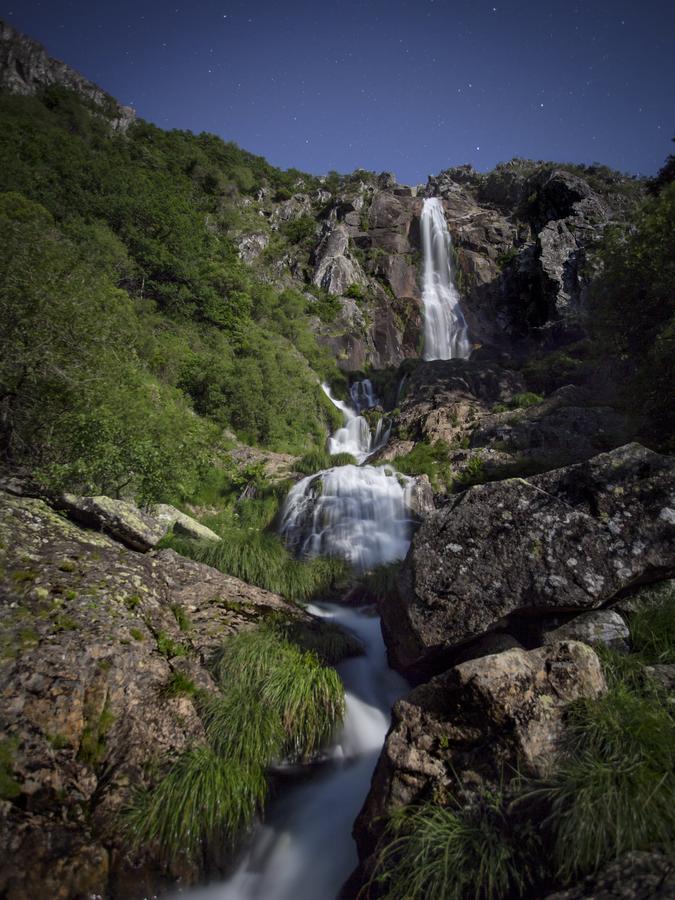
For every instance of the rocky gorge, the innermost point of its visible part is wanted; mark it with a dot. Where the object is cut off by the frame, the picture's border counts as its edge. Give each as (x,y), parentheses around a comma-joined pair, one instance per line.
(501,508)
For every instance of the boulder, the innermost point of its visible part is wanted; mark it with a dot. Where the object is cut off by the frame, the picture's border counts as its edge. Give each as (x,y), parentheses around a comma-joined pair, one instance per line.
(602,627)
(335,270)
(182,524)
(637,875)
(119,518)
(569,540)
(467,729)
(91,634)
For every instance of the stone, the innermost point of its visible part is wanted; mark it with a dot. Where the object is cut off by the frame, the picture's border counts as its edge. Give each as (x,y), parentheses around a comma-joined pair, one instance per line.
(90,634)
(118,518)
(602,627)
(637,875)
(569,540)
(26,69)
(335,270)
(182,524)
(466,729)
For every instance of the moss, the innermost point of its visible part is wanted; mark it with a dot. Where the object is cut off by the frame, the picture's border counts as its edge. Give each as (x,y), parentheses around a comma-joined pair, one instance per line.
(182,618)
(137,634)
(168,647)
(93,740)
(9,786)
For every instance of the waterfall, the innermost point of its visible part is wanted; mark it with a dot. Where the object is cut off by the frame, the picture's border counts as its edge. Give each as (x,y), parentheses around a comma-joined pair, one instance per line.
(355,436)
(305,849)
(357,513)
(445,332)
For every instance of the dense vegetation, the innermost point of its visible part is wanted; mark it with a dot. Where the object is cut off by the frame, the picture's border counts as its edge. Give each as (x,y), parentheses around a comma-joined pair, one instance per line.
(611,793)
(127,309)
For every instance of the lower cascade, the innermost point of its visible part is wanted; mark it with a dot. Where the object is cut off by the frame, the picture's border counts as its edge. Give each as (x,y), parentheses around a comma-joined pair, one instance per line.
(304,849)
(445,331)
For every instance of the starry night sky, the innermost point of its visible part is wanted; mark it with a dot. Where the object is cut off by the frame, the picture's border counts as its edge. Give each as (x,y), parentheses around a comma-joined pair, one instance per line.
(409,86)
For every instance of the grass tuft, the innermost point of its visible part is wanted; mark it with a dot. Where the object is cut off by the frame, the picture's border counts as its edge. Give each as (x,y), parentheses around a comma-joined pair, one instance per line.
(317,460)
(442,853)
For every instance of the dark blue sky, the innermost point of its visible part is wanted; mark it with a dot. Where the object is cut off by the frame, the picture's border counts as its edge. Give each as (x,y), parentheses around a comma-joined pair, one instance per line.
(411,86)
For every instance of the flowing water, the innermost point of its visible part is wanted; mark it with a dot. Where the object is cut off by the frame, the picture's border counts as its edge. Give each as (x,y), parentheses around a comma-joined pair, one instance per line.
(304,850)
(445,331)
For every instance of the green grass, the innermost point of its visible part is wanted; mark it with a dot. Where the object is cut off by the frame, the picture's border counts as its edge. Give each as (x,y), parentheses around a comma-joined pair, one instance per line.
(444,853)
(306,697)
(317,460)
(260,558)
(182,618)
(427,459)
(168,647)
(274,701)
(614,791)
(10,788)
(179,685)
(652,629)
(328,640)
(205,798)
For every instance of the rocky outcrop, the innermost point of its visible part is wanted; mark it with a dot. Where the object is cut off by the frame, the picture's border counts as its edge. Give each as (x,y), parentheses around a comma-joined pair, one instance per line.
(440,398)
(600,628)
(26,68)
(92,637)
(180,523)
(569,540)
(638,875)
(471,727)
(563,428)
(335,270)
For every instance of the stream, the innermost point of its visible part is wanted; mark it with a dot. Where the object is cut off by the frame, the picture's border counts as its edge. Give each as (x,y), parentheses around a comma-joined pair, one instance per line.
(304,849)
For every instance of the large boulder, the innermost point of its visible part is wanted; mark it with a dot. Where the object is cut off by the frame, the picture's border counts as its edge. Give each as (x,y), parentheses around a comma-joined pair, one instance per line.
(91,636)
(122,520)
(469,728)
(637,875)
(569,540)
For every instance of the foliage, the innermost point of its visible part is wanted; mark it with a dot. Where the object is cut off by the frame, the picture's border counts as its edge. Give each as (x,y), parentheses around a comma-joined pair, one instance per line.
(652,630)
(632,311)
(9,786)
(427,459)
(355,291)
(127,308)
(446,853)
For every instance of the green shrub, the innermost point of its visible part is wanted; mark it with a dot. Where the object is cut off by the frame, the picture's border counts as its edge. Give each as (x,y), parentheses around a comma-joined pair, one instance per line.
(355,291)
(179,685)
(317,460)
(168,647)
(443,853)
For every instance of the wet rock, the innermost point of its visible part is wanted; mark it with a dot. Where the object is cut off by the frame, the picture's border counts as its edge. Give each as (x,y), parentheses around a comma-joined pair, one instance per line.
(602,627)
(569,540)
(464,729)
(638,875)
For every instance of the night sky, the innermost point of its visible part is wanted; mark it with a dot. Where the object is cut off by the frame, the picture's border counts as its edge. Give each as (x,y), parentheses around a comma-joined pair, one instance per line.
(409,86)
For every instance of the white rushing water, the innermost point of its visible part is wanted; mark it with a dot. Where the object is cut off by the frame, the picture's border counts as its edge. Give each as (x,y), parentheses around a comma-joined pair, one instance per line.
(355,436)
(304,850)
(445,331)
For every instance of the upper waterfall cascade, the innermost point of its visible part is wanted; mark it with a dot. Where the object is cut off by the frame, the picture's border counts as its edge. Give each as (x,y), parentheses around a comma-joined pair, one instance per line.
(445,331)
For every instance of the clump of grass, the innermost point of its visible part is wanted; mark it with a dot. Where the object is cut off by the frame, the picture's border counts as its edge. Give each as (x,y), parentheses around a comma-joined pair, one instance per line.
(93,740)
(182,618)
(652,631)
(205,798)
(179,685)
(168,647)
(9,786)
(306,697)
(427,459)
(613,792)
(274,700)
(260,558)
(445,853)
(474,473)
(328,640)
(316,460)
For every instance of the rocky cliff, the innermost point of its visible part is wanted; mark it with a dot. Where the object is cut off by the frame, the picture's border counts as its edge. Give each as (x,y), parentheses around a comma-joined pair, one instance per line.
(26,68)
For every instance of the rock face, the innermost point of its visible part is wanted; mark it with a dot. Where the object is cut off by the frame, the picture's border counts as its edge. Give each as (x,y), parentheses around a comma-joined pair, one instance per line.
(91,635)
(570,540)
(638,875)
(124,521)
(602,627)
(463,729)
(26,68)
